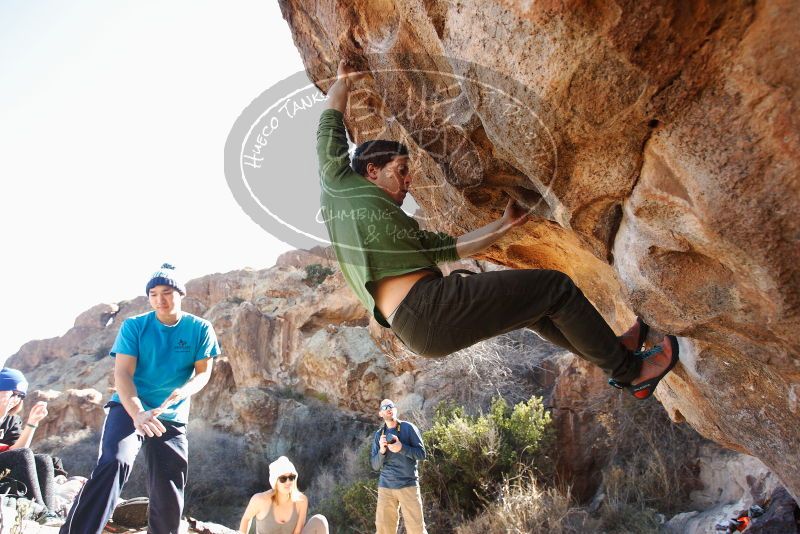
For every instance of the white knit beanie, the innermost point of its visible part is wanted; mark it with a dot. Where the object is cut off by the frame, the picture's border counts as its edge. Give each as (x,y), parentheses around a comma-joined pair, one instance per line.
(281,466)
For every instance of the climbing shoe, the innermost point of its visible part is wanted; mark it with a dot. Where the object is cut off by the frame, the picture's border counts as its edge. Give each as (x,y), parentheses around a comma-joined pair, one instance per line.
(669,346)
(634,338)
(646,388)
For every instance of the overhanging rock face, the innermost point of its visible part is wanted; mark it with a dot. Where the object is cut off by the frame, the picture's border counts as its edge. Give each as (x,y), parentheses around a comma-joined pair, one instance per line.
(657,144)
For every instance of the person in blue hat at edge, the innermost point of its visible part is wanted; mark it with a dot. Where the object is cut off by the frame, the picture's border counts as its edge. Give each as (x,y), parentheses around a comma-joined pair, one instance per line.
(162,358)
(35,471)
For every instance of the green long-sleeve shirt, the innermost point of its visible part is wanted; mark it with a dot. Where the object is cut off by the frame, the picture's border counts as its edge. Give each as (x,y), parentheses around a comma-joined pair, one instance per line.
(372,237)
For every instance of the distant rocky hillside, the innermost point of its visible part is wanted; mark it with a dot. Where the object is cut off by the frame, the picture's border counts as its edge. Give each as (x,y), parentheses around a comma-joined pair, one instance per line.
(302,372)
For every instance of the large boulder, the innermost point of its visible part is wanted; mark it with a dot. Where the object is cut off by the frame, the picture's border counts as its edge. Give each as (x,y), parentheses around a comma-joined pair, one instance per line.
(657,144)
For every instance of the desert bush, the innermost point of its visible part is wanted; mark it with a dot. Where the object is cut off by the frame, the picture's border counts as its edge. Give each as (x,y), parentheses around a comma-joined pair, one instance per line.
(350,504)
(316,274)
(524,506)
(650,468)
(504,366)
(351,464)
(219,483)
(315,436)
(625,508)
(353,507)
(470,456)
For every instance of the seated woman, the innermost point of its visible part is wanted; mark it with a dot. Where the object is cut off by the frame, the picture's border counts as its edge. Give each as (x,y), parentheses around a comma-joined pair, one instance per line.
(34,470)
(282,510)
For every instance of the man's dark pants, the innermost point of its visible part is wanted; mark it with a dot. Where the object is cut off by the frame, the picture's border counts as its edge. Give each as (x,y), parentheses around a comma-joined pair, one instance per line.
(167,465)
(441,315)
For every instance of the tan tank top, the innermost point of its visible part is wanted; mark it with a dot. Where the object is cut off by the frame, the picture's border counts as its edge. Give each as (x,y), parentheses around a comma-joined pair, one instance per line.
(268,525)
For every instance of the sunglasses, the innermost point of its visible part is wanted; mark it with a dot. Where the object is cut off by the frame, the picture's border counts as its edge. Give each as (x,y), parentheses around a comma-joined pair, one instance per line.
(284,478)
(387,406)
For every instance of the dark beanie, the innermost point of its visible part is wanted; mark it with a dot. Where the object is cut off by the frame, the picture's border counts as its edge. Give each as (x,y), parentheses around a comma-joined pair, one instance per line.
(12,380)
(165,276)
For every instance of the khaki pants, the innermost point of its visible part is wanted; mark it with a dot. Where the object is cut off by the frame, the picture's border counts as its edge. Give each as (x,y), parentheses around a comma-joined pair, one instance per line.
(409,501)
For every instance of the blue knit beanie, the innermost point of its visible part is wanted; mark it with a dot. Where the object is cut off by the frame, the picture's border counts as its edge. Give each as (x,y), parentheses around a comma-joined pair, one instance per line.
(165,276)
(12,380)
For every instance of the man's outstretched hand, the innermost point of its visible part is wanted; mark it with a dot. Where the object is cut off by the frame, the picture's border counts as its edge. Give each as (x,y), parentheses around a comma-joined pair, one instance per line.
(485,236)
(514,214)
(345,76)
(345,73)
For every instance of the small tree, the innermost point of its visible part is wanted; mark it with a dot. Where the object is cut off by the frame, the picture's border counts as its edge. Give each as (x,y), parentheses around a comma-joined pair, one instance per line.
(316,274)
(471,456)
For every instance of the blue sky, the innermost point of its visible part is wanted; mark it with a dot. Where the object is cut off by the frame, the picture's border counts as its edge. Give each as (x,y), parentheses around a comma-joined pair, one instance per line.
(113,119)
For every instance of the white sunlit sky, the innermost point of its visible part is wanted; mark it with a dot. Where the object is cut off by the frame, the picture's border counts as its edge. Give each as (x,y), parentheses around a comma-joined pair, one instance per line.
(113,120)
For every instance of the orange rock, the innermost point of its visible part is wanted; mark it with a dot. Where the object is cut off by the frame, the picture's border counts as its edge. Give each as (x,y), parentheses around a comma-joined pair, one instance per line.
(658,144)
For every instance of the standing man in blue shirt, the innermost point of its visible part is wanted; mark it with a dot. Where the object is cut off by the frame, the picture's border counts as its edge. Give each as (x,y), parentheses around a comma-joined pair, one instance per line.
(396,449)
(162,358)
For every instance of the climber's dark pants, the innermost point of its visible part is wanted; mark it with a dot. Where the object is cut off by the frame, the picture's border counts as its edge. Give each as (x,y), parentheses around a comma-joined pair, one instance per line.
(441,315)
(33,470)
(167,465)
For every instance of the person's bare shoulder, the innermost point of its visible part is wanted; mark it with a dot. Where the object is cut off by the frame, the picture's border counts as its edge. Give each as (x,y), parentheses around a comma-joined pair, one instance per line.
(263,498)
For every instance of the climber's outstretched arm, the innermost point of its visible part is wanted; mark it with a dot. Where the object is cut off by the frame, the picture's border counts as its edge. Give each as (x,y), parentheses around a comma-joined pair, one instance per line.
(337,94)
(485,236)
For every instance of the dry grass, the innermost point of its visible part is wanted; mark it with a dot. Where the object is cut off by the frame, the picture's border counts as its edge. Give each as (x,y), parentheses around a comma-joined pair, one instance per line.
(527,508)
(625,508)
(504,366)
(351,465)
(650,470)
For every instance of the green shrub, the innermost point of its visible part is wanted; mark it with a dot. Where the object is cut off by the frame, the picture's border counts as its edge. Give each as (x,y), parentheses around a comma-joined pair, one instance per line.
(351,507)
(319,395)
(470,459)
(471,456)
(316,274)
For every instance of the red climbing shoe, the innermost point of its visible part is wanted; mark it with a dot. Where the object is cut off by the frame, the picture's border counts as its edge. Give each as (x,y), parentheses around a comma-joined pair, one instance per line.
(656,364)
